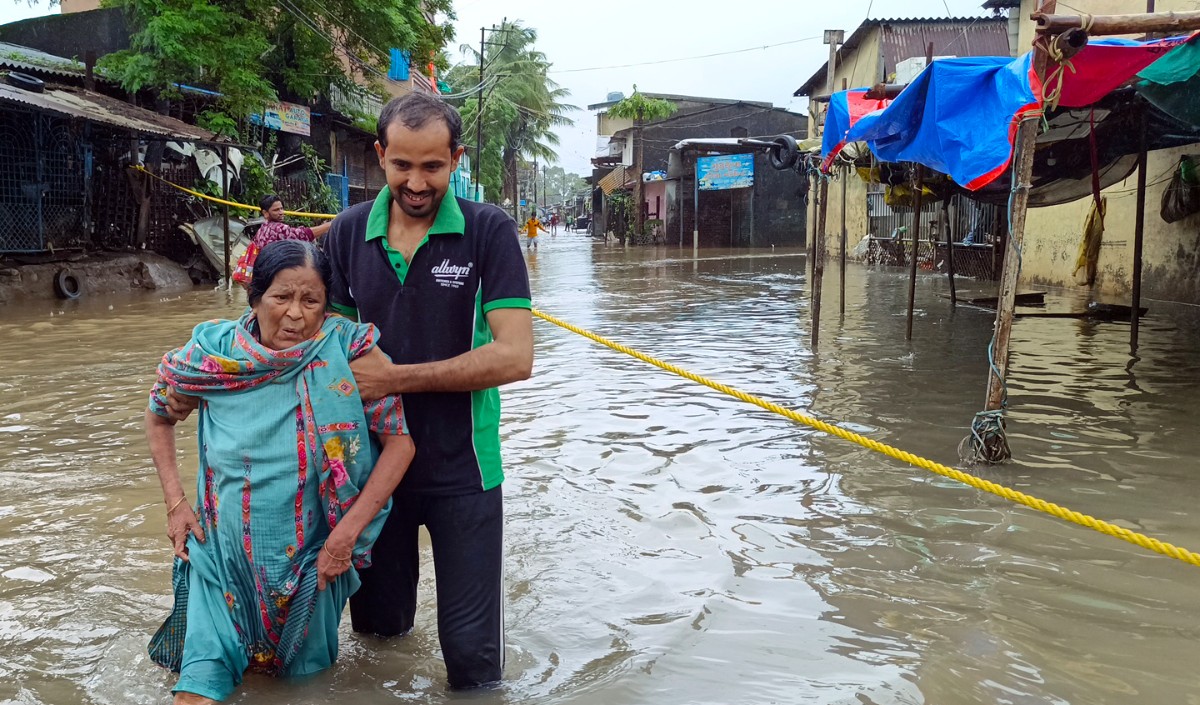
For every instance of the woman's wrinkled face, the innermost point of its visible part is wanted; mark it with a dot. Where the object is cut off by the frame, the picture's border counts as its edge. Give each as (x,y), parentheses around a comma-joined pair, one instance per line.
(292,309)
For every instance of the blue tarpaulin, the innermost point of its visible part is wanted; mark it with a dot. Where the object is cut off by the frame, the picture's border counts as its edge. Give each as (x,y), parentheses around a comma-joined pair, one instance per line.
(959,116)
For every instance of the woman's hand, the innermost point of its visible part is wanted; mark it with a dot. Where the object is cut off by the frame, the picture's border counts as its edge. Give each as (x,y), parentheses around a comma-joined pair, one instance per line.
(180,522)
(180,405)
(334,557)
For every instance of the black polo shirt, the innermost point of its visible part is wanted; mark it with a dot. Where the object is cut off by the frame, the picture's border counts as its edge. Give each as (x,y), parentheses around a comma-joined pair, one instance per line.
(433,308)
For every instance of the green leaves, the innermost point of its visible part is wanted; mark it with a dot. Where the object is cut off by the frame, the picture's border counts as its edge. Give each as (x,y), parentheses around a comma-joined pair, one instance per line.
(641,109)
(521,106)
(254,52)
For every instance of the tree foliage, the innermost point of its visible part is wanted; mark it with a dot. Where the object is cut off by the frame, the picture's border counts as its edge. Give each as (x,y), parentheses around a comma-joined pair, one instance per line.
(640,109)
(254,52)
(521,106)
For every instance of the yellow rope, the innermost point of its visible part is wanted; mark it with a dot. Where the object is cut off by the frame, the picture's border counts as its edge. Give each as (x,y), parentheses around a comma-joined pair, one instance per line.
(1012,495)
(1103,527)
(231,204)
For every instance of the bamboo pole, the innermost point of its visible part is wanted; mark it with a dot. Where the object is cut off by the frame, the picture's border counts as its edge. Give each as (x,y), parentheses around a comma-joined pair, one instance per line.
(1103,25)
(916,236)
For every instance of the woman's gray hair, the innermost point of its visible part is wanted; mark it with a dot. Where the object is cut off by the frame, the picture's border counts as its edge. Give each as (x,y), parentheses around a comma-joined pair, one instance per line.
(286,254)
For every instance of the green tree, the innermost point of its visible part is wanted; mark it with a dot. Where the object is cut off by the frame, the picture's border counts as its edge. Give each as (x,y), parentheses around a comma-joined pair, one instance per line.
(521,107)
(641,110)
(254,52)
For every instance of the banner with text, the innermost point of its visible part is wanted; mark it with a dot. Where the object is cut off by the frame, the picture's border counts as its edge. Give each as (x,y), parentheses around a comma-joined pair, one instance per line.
(724,172)
(285,117)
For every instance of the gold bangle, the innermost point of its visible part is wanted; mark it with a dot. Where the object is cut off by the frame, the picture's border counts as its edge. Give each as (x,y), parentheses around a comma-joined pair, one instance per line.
(325,547)
(181,501)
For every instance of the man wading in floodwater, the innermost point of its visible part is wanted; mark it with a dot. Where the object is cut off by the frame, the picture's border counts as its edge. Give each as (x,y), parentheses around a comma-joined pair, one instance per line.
(445,281)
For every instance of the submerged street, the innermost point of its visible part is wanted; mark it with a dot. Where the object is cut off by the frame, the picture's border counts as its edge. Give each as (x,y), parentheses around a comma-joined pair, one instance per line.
(666,543)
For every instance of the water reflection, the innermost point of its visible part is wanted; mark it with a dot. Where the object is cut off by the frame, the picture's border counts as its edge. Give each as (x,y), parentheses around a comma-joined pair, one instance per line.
(666,542)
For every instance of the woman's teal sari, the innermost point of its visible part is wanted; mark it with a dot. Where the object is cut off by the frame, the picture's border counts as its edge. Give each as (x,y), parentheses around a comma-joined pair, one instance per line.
(284,448)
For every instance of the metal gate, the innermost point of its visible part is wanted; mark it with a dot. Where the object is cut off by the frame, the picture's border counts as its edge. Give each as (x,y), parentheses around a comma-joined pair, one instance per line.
(43,183)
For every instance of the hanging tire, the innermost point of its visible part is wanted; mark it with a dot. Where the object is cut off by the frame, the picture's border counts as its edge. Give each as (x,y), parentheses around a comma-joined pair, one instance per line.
(25,82)
(783,154)
(66,285)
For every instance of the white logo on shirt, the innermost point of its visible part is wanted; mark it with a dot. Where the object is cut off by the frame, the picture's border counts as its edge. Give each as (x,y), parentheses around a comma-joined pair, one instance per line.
(451,275)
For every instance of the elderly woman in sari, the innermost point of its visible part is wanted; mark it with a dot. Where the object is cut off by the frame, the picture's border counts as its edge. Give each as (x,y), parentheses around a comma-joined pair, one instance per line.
(295,479)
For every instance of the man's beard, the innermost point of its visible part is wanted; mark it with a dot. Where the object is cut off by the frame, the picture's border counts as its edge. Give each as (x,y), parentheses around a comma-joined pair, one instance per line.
(417,212)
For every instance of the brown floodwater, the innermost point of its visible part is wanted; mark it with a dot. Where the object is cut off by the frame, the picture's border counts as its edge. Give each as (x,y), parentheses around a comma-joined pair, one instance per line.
(665,543)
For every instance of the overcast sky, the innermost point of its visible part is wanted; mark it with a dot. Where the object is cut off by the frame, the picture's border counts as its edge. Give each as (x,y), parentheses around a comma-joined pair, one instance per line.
(619,32)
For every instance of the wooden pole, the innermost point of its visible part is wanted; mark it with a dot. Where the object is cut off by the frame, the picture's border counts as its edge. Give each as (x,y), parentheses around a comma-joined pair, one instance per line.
(945,226)
(918,198)
(1026,137)
(818,267)
(1023,147)
(842,271)
(833,38)
(1103,25)
(225,211)
(1139,230)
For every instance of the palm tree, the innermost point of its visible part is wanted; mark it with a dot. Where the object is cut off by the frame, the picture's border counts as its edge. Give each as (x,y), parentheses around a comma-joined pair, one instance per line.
(639,108)
(521,106)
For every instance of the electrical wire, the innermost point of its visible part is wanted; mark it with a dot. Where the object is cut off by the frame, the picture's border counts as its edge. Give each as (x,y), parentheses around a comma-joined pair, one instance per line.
(685,58)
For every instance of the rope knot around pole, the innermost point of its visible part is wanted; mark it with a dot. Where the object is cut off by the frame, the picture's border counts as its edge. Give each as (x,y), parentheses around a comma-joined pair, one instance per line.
(987,442)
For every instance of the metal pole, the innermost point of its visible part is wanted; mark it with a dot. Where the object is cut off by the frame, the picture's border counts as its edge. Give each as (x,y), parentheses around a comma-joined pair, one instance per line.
(225,211)
(696,211)
(1139,230)
(753,188)
(679,199)
(479,116)
(916,236)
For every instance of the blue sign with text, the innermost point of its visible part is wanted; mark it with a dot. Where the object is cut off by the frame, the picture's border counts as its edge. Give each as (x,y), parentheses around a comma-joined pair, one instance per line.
(724,172)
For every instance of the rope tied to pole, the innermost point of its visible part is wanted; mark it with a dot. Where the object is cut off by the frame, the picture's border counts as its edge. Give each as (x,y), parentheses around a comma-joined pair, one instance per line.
(987,442)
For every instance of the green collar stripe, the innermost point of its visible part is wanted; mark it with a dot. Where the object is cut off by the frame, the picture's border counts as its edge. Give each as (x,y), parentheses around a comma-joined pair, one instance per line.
(449,219)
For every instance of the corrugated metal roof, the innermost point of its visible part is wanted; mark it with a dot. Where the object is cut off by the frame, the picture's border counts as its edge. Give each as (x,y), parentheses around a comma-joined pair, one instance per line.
(15,56)
(905,38)
(88,105)
(614,180)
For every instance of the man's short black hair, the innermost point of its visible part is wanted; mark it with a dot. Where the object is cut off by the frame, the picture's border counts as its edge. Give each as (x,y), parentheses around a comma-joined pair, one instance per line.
(414,111)
(268,201)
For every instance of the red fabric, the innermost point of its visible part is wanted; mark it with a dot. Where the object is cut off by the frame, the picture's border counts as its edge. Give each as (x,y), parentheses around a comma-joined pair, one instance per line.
(274,231)
(1104,67)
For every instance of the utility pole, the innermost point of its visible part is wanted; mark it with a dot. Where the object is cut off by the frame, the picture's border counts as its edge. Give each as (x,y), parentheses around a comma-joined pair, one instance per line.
(479,113)
(545,198)
(534,201)
(483,44)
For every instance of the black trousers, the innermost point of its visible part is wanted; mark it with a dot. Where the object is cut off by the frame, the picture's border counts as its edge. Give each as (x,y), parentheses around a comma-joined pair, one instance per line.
(468,543)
